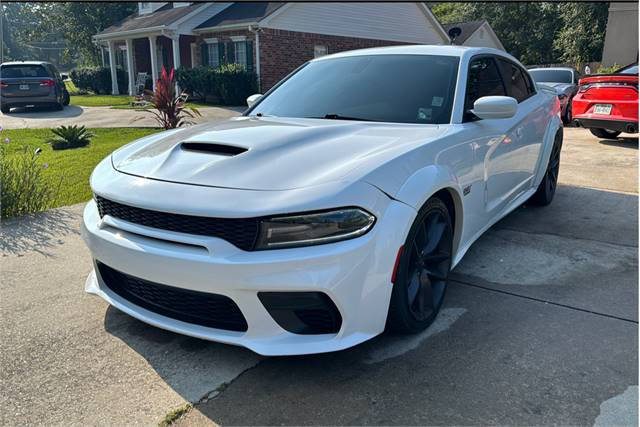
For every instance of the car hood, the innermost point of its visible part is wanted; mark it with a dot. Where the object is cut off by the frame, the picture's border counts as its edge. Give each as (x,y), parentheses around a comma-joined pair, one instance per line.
(560,88)
(270,153)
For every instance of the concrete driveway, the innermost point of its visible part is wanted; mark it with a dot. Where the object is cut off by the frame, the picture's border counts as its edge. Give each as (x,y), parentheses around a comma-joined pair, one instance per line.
(99,117)
(540,326)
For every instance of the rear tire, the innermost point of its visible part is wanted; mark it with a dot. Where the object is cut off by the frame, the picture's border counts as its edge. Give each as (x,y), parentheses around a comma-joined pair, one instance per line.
(605,133)
(547,188)
(66,98)
(5,109)
(423,271)
(58,106)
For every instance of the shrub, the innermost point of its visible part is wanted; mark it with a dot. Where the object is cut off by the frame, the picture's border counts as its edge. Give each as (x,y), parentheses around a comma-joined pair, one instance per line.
(98,79)
(229,83)
(24,186)
(234,84)
(70,137)
(198,82)
(607,70)
(169,108)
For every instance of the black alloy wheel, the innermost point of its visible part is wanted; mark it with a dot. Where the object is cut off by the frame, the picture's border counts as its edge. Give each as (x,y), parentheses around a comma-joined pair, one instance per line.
(547,188)
(423,270)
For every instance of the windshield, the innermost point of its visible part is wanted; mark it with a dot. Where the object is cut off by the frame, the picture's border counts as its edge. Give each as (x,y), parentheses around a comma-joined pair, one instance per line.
(629,69)
(21,71)
(552,76)
(385,88)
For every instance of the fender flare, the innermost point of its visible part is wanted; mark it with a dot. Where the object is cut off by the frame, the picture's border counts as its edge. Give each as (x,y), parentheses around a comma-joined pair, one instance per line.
(555,125)
(435,179)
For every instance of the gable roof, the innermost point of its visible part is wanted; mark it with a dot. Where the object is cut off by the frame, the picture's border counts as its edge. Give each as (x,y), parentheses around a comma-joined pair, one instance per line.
(163,17)
(241,13)
(468,28)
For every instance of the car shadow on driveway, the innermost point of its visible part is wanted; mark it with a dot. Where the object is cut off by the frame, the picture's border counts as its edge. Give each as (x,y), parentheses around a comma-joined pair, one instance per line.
(45,113)
(529,354)
(624,142)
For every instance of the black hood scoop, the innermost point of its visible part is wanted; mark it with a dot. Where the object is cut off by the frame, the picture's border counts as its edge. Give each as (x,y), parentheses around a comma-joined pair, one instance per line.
(212,148)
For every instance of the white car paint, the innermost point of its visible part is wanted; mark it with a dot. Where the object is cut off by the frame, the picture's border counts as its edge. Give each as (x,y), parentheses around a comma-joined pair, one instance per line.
(295,165)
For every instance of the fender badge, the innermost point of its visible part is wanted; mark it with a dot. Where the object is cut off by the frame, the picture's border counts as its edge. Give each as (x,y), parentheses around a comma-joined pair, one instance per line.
(466,190)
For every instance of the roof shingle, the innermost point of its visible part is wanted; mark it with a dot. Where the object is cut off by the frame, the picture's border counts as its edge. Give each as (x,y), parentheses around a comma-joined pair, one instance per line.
(162,17)
(241,12)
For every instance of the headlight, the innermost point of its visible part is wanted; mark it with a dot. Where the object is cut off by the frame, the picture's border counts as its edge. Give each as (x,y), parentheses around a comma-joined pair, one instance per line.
(313,228)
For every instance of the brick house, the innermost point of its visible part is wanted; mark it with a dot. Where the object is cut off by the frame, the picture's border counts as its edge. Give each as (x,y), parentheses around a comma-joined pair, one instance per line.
(271,39)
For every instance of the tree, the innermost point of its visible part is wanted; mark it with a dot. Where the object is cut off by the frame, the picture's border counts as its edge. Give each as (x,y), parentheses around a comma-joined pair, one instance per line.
(538,32)
(581,39)
(73,22)
(81,20)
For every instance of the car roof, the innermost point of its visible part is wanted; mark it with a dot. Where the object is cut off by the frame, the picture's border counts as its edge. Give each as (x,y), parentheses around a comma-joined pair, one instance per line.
(553,68)
(26,63)
(422,49)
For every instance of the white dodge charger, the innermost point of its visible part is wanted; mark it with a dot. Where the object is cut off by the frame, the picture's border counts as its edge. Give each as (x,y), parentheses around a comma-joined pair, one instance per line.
(333,208)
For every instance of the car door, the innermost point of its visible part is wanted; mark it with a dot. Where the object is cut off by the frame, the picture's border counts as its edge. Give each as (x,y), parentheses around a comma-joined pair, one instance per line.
(531,123)
(496,141)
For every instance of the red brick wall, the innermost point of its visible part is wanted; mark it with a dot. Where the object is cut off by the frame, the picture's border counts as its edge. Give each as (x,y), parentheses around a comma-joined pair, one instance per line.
(141,55)
(283,51)
(185,50)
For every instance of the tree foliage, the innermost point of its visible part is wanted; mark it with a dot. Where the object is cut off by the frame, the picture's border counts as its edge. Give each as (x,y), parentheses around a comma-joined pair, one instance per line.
(73,22)
(538,32)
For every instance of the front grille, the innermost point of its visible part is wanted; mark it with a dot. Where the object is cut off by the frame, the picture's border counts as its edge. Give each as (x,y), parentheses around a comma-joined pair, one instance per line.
(242,233)
(199,308)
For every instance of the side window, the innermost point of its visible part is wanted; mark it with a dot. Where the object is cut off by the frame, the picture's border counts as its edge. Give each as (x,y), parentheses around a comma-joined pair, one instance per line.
(483,80)
(517,83)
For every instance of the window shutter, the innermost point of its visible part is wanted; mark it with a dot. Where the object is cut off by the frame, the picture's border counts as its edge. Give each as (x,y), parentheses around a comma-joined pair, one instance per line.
(231,53)
(249,51)
(220,54)
(204,49)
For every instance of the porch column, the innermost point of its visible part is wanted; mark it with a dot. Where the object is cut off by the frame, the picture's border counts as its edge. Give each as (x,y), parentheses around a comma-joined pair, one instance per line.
(175,44)
(130,71)
(154,60)
(112,66)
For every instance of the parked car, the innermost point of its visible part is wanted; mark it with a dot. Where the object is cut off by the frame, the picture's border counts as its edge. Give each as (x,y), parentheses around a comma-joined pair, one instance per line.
(564,80)
(333,208)
(607,104)
(31,83)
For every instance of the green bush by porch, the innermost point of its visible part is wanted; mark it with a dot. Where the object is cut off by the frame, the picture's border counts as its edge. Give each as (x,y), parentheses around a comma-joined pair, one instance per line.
(229,84)
(98,79)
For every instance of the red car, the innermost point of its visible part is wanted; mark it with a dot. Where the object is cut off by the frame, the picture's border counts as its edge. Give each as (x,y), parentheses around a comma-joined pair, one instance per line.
(607,104)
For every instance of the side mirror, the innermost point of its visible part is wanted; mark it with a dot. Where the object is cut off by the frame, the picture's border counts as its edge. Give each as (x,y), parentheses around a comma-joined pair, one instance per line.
(253,99)
(495,107)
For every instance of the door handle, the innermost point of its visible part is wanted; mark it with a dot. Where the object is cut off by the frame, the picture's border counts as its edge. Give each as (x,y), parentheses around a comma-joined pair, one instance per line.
(519,132)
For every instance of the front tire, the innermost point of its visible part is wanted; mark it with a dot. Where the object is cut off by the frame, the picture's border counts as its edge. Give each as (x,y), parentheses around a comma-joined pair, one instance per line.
(605,133)
(547,188)
(423,271)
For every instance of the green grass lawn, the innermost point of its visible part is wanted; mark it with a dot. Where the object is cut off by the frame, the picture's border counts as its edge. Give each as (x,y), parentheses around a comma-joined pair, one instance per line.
(73,166)
(121,101)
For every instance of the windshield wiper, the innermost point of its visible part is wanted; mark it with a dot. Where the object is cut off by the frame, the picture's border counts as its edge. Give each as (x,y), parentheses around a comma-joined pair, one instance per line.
(339,117)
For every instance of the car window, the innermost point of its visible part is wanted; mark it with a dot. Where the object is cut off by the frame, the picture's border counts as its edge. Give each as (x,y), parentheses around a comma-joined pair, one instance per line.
(515,80)
(483,80)
(386,88)
(22,71)
(552,76)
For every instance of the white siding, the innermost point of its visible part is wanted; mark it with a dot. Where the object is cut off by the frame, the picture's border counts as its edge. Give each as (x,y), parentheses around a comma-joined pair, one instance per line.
(208,11)
(404,22)
(482,37)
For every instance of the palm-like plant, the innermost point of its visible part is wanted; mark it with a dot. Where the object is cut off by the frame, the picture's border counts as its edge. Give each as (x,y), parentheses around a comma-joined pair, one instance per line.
(169,108)
(70,137)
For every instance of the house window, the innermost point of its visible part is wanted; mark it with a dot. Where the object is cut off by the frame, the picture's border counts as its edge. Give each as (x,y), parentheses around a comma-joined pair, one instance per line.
(240,53)
(320,50)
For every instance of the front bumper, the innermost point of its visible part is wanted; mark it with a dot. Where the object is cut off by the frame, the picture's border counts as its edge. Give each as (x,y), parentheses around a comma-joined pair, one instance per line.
(355,274)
